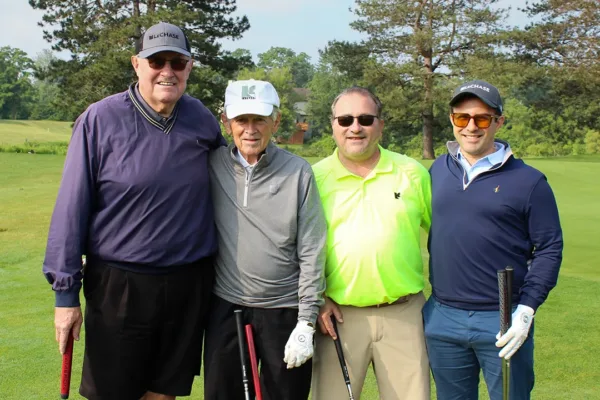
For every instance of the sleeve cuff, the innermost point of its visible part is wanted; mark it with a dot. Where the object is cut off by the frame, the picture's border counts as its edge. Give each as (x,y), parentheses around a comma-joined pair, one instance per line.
(529,302)
(68,298)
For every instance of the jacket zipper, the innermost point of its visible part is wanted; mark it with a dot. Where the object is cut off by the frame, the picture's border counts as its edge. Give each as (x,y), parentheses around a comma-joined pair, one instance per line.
(247,186)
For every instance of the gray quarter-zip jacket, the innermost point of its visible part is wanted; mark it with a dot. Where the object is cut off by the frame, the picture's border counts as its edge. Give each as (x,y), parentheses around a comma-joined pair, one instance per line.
(271,232)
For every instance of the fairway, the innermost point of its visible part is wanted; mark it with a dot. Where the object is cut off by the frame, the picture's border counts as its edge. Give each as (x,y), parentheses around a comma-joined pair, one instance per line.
(567,334)
(17,132)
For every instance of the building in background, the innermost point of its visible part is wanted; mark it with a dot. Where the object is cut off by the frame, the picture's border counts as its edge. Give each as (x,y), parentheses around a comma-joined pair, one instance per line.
(302,131)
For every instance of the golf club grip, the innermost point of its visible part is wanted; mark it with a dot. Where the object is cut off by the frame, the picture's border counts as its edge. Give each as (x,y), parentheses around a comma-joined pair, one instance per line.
(503,302)
(65,374)
(509,303)
(240,332)
(253,362)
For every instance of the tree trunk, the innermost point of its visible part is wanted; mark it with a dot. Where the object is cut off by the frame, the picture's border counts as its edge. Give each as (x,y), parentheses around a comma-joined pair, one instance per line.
(428,153)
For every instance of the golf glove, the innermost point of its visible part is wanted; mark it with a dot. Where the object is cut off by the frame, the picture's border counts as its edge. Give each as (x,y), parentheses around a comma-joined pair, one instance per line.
(514,338)
(299,347)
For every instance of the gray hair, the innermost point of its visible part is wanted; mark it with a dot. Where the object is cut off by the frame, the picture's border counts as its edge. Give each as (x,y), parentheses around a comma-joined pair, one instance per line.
(358,90)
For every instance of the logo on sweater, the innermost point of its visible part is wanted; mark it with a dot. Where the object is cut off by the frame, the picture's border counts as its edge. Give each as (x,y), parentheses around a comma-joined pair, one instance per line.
(497,189)
(396,195)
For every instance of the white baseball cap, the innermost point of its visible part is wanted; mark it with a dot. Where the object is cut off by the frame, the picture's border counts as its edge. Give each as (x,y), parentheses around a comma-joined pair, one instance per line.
(250,97)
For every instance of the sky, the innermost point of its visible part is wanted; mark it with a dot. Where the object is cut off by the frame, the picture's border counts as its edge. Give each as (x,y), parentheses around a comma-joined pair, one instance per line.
(301,25)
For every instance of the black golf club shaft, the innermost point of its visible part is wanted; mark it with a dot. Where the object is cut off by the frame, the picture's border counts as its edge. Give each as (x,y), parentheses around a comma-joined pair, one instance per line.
(241,341)
(341,358)
(505,278)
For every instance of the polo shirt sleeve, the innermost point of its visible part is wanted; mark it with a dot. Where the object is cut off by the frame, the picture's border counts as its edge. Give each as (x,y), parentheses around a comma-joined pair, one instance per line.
(69,224)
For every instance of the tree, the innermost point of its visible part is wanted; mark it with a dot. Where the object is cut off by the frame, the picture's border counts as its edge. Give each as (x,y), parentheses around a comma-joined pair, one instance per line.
(566,33)
(15,83)
(281,57)
(418,40)
(101,37)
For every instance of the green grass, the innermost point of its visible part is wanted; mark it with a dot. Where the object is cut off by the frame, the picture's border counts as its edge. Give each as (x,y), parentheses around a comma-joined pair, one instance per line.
(567,336)
(17,132)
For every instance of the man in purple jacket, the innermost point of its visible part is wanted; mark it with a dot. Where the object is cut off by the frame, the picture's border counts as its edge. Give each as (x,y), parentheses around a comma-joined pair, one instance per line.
(135,199)
(489,210)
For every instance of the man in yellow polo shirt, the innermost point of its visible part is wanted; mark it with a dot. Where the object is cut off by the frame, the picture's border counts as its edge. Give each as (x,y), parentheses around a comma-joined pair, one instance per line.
(375,203)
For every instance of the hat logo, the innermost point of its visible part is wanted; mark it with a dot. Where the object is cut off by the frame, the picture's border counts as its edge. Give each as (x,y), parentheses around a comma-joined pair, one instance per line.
(248,92)
(487,89)
(163,34)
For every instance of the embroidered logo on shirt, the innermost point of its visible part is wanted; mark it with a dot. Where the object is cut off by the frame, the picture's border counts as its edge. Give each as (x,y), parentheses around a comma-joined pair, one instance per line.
(273,188)
(497,189)
(396,195)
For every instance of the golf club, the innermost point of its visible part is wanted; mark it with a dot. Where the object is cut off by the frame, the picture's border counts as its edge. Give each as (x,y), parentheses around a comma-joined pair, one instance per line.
(65,375)
(340,353)
(505,278)
(240,332)
(253,362)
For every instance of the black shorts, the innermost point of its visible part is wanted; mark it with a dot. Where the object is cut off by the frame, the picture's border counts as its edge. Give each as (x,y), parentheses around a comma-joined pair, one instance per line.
(143,332)
(222,365)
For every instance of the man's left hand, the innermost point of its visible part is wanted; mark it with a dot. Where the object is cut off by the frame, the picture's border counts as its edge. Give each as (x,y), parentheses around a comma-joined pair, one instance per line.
(299,347)
(514,338)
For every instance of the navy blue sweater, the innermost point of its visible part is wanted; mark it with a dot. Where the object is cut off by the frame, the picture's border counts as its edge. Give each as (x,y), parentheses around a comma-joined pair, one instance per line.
(504,217)
(134,193)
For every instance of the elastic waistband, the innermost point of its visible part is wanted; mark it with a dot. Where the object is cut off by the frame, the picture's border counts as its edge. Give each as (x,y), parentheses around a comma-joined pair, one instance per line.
(206,262)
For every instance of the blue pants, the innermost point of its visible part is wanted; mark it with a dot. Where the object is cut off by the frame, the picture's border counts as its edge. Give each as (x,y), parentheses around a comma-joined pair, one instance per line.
(460,343)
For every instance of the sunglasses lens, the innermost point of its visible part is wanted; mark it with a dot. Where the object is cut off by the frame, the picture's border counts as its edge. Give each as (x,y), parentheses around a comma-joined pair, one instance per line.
(461,120)
(177,64)
(156,63)
(483,122)
(366,120)
(345,121)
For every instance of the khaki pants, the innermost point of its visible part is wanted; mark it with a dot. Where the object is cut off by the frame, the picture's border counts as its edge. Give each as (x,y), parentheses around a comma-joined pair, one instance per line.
(391,338)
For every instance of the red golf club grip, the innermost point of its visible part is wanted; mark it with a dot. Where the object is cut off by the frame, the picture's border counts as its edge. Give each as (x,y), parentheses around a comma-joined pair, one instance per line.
(253,363)
(65,375)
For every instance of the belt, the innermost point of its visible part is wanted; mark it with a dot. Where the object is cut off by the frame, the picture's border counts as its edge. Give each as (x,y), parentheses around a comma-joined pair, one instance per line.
(401,300)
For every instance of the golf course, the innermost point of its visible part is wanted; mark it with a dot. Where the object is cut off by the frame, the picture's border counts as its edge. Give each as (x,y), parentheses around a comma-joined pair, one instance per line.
(567,326)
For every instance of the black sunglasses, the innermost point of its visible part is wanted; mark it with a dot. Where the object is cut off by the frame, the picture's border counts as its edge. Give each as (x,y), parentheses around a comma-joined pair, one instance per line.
(364,120)
(177,63)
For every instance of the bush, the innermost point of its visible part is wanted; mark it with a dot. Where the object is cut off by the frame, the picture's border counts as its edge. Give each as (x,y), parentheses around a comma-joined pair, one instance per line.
(592,142)
(36,148)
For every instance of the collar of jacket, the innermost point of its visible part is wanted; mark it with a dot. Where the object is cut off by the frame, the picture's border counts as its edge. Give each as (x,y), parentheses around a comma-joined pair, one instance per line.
(453,147)
(265,158)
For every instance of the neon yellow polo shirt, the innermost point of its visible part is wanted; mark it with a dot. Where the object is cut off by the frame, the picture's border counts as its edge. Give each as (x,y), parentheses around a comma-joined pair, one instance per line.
(373,236)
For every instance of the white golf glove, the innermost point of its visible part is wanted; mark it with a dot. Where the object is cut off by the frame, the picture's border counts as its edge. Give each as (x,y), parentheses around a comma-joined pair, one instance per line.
(516,335)
(299,347)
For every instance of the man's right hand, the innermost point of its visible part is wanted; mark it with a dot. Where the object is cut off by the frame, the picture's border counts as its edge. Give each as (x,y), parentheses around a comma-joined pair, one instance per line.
(67,320)
(327,310)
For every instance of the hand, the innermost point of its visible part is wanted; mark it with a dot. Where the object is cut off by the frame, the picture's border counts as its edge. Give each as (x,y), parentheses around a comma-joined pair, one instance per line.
(327,310)
(67,320)
(514,338)
(299,347)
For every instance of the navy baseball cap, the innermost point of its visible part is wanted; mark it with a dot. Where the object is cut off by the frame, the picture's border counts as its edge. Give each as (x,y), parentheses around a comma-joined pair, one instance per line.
(483,90)
(164,37)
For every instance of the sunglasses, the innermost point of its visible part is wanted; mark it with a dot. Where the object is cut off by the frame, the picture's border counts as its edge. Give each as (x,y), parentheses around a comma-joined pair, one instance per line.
(364,120)
(482,121)
(177,63)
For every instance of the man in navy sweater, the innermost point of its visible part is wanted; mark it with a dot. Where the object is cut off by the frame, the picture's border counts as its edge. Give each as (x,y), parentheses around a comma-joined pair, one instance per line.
(489,210)
(135,199)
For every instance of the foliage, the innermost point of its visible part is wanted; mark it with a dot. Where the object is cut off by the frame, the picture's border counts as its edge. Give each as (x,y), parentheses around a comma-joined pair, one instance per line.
(280,57)
(102,35)
(15,84)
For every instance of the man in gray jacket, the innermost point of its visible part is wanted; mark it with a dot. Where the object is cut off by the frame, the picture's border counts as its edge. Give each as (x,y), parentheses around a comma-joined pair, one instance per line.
(271,238)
